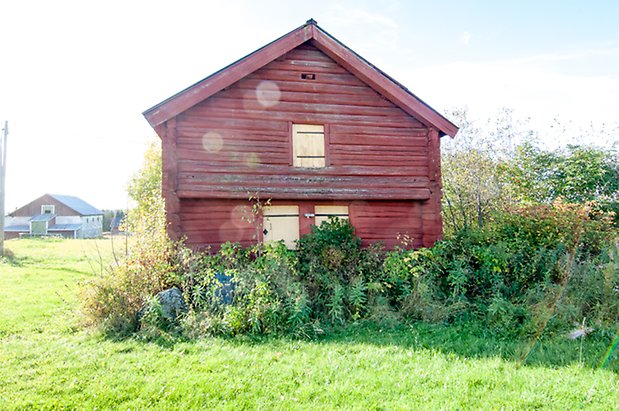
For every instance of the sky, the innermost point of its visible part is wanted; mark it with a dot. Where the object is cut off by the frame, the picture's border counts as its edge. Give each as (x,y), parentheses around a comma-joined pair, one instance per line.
(75,76)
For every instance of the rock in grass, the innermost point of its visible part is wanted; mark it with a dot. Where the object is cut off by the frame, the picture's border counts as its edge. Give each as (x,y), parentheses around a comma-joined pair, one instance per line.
(169,303)
(172,303)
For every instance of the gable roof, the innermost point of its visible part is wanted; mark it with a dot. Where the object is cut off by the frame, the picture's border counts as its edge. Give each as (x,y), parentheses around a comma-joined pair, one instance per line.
(309,32)
(77,204)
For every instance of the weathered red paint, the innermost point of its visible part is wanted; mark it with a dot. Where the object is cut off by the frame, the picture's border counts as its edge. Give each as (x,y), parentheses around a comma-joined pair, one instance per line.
(34,207)
(308,33)
(212,222)
(229,137)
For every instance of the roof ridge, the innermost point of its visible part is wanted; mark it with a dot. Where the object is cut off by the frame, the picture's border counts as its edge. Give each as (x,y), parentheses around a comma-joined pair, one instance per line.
(332,47)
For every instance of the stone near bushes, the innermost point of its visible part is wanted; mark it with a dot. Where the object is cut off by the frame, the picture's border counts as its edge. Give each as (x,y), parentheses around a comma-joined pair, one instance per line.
(172,304)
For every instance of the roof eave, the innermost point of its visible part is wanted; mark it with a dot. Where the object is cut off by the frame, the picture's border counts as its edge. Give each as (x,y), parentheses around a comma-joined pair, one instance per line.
(223,78)
(364,70)
(381,82)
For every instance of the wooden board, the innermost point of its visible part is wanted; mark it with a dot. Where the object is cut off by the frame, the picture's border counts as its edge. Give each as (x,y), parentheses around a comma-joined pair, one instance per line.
(308,145)
(246,130)
(281,223)
(210,223)
(379,161)
(324,212)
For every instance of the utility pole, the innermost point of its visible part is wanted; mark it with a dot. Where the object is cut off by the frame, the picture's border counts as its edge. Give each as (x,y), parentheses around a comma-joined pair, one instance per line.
(3,138)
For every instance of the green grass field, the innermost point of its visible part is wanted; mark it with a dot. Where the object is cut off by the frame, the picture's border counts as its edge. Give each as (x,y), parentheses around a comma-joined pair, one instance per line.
(47,361)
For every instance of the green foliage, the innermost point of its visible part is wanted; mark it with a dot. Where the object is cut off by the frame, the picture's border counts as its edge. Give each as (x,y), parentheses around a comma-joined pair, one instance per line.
(146,182)
(528,264)
(522,268)
(112,299)
(263,293)
(577,174)
(497,166)
(328,260)
(474,165)
(329,281)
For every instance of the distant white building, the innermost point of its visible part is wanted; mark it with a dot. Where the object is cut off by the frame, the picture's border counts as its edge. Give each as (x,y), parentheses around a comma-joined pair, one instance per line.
(53,214)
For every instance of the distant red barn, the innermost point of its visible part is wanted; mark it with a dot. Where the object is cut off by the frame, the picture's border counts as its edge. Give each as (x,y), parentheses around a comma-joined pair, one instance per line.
(311,125)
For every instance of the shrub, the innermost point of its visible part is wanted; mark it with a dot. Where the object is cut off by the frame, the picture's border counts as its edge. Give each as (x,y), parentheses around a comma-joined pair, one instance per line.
(112,299)
(526,266)
(533,268)
(260,293)
(328,259)
(328,282)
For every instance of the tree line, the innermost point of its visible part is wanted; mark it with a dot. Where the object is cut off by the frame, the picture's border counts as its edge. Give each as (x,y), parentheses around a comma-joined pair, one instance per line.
(505,163)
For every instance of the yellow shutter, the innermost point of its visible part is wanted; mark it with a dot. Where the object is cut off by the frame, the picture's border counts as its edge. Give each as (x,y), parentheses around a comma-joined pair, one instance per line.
(323,212)
(281,223)
(308,145)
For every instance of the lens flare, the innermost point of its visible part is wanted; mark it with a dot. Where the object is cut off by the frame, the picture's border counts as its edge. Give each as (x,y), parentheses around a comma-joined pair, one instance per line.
(252,160)
(242,216)
(610,351)
(230,232)
(212,142)
(268,94)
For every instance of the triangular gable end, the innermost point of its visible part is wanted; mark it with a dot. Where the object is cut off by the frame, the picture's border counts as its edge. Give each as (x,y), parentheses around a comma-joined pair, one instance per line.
(75,204)
(309,32)
(45,198)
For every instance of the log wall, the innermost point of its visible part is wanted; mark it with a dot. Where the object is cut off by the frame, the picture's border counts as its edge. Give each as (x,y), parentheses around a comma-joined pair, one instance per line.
(380,161)
(238,141)
(212,222)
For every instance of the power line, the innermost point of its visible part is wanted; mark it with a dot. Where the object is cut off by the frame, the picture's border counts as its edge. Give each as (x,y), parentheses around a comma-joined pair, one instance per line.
(3,143)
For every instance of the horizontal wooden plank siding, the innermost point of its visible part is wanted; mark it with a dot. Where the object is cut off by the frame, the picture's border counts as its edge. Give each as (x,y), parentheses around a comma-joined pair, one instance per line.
(388,222)
(212,222)
(238,141)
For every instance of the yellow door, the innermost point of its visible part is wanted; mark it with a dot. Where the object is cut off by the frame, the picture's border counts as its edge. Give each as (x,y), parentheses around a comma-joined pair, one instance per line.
(323,212)
(281,223)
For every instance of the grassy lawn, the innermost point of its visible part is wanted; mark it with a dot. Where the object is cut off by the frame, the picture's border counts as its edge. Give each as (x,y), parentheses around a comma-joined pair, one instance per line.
(48,362)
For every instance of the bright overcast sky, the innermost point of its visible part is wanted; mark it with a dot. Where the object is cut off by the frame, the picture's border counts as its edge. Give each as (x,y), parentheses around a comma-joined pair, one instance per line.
(76,76)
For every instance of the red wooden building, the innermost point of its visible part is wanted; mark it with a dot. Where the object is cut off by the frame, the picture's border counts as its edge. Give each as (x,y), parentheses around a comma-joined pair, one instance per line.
(311,125)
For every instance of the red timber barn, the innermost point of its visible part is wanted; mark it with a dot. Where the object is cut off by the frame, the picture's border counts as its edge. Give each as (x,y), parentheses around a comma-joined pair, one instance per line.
(307,123)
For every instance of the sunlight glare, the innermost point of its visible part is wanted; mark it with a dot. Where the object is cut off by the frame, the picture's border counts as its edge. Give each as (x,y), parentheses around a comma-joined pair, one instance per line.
(212,142)
(268,93)
(252,160)
(241,216)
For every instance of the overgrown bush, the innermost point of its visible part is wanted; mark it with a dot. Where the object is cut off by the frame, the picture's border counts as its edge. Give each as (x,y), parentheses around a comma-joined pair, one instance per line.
(112,298)
(331,267)
(531,268)
(526,267)
(329,281)
(237,291)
